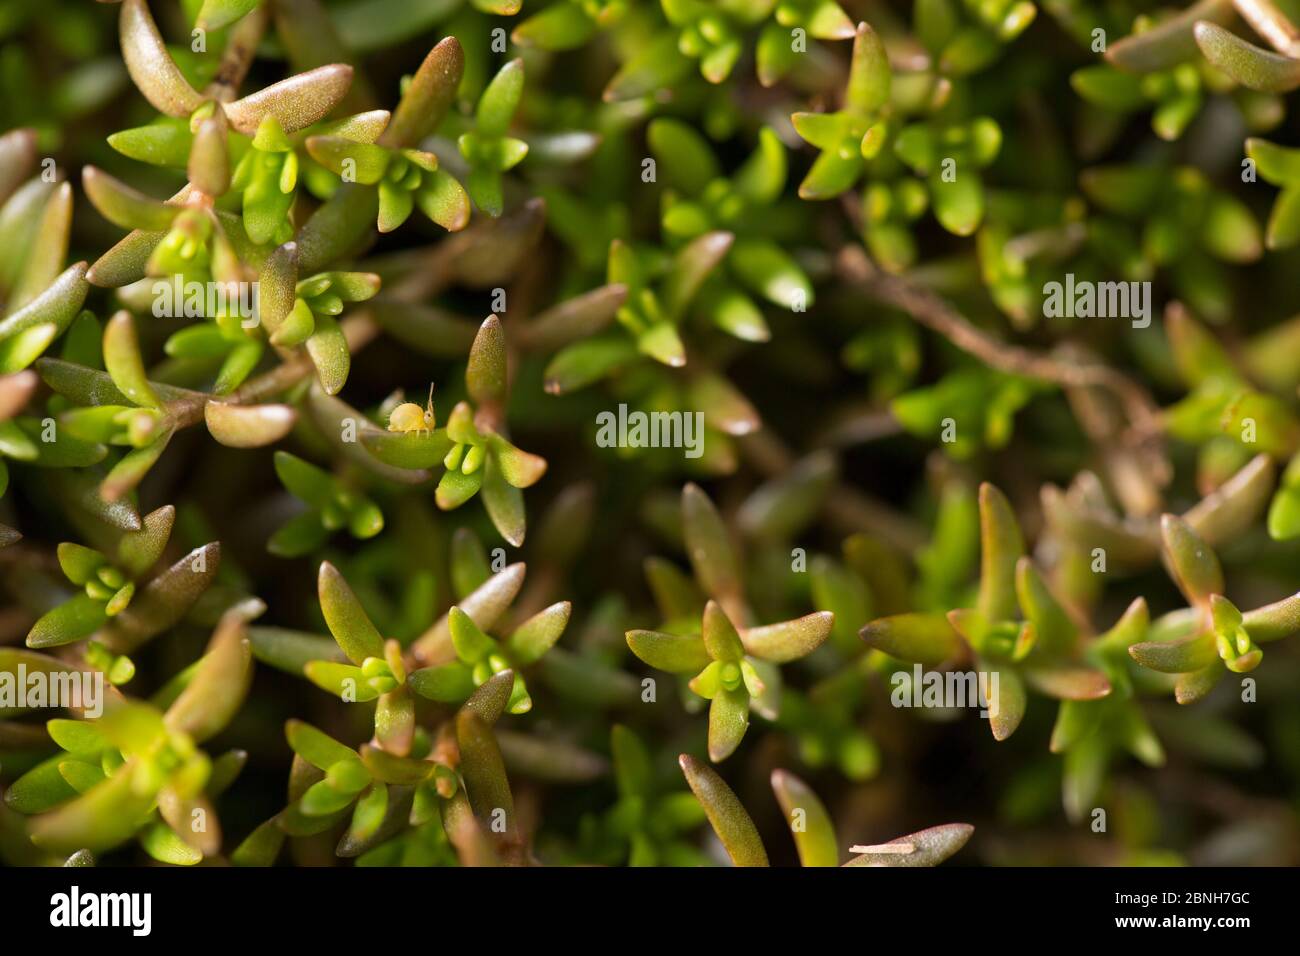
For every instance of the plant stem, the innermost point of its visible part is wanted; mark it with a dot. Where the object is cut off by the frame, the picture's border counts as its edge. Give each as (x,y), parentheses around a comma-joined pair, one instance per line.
(359,329)
(238,56)
(936,314)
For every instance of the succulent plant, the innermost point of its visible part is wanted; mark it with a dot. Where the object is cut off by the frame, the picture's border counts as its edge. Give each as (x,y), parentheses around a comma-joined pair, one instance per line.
(839,377)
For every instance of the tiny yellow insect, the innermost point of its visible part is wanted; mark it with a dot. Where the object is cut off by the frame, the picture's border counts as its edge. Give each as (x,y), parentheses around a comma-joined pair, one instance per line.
(410,417)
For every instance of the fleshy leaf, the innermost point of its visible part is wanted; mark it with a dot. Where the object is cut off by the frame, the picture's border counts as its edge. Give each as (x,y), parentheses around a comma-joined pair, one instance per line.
(726,814)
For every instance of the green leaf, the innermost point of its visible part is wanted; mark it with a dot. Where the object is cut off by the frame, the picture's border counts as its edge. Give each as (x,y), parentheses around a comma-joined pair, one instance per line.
(102,818)
(762,178)
(684,157)
(220,683)
(1196,685)
(662,343)
(80,737)
(238,364)
(345,617)
(493,696)
(1280,165)
(449,683)
(1001,547)
(1109,88)
(363,162)
(402,771)
(588,361)
(500,99)
(1056,633)
(74,619)
(1068,682)
(1007,706)
(123,361)
(728,720)
(324,799)
(151,67)
(165,142)
(809,822)
(328,349)
(1274,621)
(428,96)
(58,305)
(124,206)
(209,165)
(1246,63)
(483,769)
(291,651)
(574,318)
(519,468)
(395,721)
(469,640)
(633,771)
(959,203)
(789,640)
(248,426)
(1193,563)
(313,485)
(676,653)
(1176,657)
(215,14)
(773,54)
(562,26)
(485,607)
(535,636)
(40,788)
(869,75)
(443,200)
(455,488)
(656,65)
(138,551)
(783,507)
(485,375)
(163,844)
(726,815)
(261,847)
(719,635)
(344,681)
(716,565)
(831,174)
(22,349)
(766,269)
(691,265)
(164,600)
(924,638)
(317,748)
(413,450)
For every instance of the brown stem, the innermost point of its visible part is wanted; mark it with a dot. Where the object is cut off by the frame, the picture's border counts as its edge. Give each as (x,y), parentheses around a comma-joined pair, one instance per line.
(359,329)
(238,56)
(935,313)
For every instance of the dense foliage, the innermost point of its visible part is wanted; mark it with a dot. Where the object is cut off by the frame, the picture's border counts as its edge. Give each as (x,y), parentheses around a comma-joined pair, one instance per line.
(611,431)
